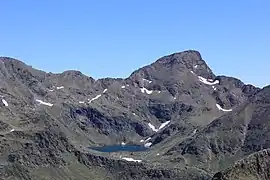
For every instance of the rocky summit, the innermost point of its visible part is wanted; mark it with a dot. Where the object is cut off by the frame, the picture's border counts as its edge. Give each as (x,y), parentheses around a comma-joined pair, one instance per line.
(172,119)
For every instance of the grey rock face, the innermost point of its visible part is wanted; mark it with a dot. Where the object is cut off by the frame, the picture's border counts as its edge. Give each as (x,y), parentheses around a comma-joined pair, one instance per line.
(255,166)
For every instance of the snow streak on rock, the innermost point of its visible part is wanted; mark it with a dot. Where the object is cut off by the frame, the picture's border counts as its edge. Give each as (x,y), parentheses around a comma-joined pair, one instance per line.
(144,90)
(220,108)
(44,103)
(60,87)
(205,81)
(95,98)
(163,125)
(214,88)
(4,102)
(105,90)
(160,127)
(194,132)
(152,127)
(131,159)
(148,139)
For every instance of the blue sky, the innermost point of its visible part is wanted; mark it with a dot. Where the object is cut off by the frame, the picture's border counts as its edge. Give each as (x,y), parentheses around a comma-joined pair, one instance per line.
(113,38)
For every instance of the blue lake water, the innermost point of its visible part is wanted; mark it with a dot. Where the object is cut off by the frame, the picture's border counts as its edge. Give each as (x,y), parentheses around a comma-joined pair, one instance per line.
(118,148)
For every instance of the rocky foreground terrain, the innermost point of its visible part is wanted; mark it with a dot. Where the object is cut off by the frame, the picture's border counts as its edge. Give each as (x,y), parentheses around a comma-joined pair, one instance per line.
(195,124)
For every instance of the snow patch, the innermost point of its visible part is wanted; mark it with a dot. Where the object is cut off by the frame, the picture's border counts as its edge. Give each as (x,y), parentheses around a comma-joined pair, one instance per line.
(60,87)
(148,139)
(160,127)
(163,125)
(192,72)
(4,102)
(159,92)
(105,90)
(195,66)
(12,130)
(134,114)
(152,127)
(214,88)
(157,154)
(147,145)
(131,159)
(144,90)
(123,143)
(123,87)
(95,98)
(44,103)
(147,80)
(206,81)
(194,132)
(174,98)
(81,102)
(220,108)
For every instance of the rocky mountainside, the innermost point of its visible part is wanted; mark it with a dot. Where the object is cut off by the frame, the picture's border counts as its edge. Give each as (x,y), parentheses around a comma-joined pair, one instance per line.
(193,122)
(255,166)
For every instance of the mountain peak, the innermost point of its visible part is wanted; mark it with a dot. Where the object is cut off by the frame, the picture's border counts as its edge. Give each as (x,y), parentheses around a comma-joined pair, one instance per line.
(175,65)
(191,53)
(191,60)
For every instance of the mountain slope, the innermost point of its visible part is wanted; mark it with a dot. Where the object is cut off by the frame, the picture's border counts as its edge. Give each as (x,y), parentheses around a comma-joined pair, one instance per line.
(49,121)
(230,137)
(255,166)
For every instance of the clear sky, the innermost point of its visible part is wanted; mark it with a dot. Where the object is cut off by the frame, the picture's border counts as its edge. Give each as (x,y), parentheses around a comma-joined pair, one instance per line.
(112,38)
